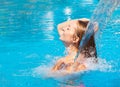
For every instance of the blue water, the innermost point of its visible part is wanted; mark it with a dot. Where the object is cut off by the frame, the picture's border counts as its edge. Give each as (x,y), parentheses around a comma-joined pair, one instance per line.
(29,40)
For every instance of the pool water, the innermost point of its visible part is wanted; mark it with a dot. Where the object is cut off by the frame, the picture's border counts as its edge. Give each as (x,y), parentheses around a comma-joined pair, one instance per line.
(30,44)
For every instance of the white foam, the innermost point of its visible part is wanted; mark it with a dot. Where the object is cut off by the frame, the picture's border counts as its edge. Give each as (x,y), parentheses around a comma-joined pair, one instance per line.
(98,64)
(117,32)
(92,64)
(67,11)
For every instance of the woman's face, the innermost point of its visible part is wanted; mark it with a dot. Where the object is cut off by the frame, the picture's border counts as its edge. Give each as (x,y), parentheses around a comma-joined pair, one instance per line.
(68,33)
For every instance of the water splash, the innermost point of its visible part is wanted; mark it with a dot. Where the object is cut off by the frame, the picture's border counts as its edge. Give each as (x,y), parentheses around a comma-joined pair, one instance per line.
(99,64)
(45,70)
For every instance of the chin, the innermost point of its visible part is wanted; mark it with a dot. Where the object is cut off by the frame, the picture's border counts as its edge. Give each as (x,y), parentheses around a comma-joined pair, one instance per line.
(61,39)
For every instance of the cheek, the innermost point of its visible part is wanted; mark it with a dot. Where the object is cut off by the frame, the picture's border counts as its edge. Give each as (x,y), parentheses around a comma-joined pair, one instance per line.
(67,38)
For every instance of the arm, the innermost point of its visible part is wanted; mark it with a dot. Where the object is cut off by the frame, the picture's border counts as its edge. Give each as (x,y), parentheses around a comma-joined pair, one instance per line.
(87,20)
(65,24)
(71,22)
(84,19)
(95,23)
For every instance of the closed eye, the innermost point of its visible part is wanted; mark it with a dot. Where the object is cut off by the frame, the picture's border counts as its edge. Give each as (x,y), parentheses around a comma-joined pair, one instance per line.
(68,28)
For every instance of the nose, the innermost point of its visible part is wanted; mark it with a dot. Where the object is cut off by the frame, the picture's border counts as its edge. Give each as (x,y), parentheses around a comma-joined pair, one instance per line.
(63,29)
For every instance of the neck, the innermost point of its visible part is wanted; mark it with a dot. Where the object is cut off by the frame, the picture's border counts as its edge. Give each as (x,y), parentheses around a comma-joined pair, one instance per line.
(72,50)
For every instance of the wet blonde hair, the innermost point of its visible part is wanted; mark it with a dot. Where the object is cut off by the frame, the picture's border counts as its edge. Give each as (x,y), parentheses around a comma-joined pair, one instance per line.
(81,28)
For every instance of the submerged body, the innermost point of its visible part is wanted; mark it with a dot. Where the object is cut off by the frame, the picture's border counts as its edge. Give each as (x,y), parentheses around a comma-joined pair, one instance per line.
(71,33)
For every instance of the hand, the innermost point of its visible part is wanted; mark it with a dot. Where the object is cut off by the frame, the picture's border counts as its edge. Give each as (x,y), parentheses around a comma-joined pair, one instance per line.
(59,65)
(95,26)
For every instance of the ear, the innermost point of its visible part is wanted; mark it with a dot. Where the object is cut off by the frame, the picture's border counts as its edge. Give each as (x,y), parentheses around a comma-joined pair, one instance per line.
(76,39)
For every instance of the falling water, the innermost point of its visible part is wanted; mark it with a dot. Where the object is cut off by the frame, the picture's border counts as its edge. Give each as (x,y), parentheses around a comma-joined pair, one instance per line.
(100,16)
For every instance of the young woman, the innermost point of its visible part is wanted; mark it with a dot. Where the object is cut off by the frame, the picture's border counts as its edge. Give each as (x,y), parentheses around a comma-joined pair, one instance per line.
(71,33)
